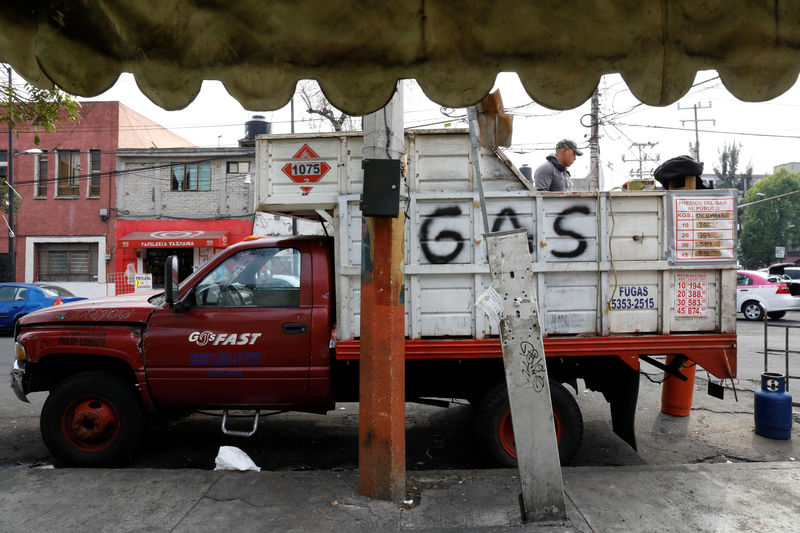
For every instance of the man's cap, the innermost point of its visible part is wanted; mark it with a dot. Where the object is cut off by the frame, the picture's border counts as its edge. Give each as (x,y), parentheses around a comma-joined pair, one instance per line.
(568,144)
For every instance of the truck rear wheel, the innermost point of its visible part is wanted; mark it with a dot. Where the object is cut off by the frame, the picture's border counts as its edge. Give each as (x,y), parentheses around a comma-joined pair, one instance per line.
(496,433)
(92,419)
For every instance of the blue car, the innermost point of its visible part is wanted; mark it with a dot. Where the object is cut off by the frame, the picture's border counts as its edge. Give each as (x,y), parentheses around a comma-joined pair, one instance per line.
(19,299)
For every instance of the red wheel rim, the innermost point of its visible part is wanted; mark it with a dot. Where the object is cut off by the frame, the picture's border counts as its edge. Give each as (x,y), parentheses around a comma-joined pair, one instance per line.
(506,432)
(90,424)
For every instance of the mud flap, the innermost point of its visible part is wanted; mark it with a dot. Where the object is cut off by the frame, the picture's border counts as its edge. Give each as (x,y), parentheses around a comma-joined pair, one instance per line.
(622,401)
(619,384)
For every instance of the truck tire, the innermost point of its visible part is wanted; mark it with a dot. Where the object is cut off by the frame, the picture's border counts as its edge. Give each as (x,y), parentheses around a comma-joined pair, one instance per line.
(496,433)
(92,419)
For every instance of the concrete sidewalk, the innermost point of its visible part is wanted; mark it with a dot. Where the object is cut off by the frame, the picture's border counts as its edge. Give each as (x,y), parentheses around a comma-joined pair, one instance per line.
(691,498)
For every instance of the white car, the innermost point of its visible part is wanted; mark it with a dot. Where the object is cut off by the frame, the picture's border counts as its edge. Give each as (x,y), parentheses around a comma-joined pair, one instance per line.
(758,293)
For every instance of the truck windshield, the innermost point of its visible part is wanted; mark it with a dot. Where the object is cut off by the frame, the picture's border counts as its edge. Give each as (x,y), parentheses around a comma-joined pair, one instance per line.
(261,277)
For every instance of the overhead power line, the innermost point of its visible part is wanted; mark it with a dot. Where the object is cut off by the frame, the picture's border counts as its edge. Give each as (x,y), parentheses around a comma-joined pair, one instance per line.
(744,133)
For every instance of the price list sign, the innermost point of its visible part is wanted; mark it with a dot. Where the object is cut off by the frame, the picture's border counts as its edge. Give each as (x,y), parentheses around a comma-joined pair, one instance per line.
(691,294)
(704,228)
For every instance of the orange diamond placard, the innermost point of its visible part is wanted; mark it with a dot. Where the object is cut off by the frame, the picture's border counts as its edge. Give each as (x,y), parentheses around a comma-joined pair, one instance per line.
(303,168)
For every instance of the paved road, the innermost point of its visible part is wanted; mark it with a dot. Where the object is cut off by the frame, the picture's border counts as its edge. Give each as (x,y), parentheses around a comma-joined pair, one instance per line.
(438,438)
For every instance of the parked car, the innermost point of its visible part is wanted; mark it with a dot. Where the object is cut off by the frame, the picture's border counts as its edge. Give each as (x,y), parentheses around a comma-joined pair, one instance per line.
(758,293)
(788,273)
(19,299)
(60,291)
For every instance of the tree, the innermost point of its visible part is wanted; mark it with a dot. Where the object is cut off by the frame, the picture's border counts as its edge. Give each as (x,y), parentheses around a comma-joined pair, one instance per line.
(316,104)
(727,178)
(772,223)
(36,109)
(39,109)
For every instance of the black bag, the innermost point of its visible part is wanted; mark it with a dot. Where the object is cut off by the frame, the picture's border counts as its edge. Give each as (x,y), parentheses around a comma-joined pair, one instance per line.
(673,172)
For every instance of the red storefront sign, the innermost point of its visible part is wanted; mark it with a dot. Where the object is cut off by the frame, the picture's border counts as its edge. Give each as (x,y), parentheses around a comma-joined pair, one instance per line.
(176,239)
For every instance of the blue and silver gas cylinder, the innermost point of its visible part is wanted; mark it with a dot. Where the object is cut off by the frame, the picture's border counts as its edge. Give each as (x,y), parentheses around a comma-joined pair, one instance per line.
(773,407)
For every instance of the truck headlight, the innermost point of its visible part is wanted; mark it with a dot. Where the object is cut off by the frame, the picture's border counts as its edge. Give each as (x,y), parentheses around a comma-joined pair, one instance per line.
(22,353)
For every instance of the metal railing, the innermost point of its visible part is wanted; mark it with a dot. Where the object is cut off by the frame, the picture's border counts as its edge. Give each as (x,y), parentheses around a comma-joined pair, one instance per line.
(787,325)
(118,283)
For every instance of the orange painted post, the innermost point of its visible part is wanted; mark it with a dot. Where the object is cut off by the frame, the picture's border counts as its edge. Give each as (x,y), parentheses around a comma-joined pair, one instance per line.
(676,395)
(381,426)
(382,409)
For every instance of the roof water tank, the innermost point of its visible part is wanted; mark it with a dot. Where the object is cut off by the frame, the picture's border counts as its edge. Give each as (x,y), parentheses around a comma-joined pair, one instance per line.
(527,172)
(256,126)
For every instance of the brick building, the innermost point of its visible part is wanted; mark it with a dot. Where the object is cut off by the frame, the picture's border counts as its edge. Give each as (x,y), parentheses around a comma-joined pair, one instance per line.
(65,223)
(189,202)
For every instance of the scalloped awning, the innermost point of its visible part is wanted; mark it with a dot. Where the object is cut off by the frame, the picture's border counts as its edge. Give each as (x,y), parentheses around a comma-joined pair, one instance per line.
(358,50)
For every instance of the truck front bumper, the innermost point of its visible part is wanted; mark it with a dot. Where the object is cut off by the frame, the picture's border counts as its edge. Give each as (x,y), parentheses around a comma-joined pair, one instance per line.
(18,378)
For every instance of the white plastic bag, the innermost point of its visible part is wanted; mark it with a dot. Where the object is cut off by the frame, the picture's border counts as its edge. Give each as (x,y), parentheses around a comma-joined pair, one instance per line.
(232,458)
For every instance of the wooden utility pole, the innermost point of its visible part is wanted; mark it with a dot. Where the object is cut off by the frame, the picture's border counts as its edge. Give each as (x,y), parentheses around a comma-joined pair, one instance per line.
(695,107)
(381,422)
(643,158)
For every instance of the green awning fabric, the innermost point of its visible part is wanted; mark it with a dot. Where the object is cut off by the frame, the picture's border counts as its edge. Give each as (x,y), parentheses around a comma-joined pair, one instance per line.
(358,50)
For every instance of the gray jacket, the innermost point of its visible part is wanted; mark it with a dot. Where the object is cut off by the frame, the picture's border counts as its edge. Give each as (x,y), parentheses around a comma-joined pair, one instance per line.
(552,176)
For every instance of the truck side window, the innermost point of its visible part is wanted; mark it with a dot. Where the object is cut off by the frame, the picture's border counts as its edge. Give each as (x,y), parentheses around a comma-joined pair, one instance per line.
(260,277)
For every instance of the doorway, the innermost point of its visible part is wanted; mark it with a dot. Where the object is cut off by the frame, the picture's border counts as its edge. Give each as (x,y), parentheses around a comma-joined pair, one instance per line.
(156,257)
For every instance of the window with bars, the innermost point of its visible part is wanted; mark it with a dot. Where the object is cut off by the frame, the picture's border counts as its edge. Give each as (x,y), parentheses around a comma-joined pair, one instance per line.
(94,176)
(41,175)
(69,172)
(191,176)
(66,262)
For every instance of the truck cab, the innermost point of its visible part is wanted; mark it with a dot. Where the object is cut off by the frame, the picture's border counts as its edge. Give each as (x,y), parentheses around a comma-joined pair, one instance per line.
(250,330)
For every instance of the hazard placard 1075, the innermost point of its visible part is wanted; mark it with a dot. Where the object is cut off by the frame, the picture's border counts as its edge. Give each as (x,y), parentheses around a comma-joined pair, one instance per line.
(691,294)
(306,169)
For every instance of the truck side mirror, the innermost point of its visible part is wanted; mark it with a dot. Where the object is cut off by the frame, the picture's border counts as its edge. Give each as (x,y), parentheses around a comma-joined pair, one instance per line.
(171,281)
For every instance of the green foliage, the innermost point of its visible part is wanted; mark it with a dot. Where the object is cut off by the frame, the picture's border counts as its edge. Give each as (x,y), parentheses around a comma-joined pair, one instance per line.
(727,177)
(26,108)
(772,223)
(38,109)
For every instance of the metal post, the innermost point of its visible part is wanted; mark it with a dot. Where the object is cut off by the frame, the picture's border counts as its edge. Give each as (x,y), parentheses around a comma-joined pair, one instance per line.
(786,345)
(381,420)
(526,377)
(291,109)
(10,180)
(765,341)
(594,144)
(474,136)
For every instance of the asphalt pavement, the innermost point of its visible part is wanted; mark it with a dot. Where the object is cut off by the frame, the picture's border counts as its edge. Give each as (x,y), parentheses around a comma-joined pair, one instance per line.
(708,471)
(692,498)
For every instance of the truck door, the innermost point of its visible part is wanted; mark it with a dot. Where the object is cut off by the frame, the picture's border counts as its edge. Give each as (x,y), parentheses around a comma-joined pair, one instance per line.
(244,339)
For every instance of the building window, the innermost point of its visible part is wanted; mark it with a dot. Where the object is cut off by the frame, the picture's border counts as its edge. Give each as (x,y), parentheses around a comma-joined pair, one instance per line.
(66,262)
(4,164)
(41,175)
(94,176)
(69,172)
(191,176)
(238,167)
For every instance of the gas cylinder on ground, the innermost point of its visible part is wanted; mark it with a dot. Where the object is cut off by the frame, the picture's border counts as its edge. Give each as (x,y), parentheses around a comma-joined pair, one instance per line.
(773,407)
(676,394)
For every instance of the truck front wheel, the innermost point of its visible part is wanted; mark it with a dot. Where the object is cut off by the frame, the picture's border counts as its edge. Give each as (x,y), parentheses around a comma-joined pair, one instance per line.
(496,433)
(92,419)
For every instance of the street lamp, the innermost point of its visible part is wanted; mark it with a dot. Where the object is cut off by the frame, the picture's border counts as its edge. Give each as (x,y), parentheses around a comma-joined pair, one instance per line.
(10,181)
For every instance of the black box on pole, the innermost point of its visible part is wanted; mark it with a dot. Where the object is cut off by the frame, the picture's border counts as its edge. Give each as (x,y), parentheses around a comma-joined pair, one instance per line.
(381,195)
